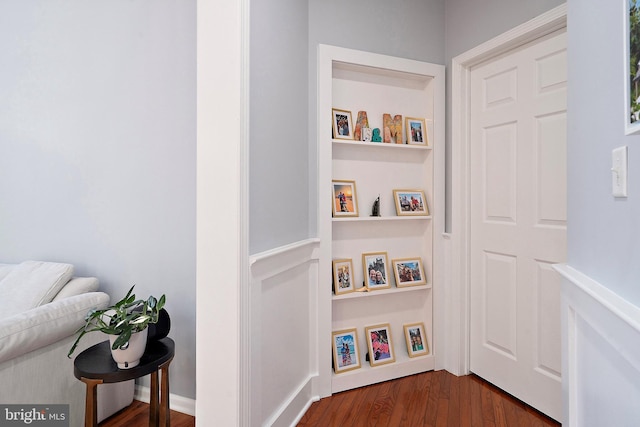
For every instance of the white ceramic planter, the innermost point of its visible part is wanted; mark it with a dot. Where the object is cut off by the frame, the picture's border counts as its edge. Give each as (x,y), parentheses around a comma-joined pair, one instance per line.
(130,356)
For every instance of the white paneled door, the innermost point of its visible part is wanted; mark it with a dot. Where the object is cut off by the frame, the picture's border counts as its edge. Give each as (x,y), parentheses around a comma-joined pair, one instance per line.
(518,220)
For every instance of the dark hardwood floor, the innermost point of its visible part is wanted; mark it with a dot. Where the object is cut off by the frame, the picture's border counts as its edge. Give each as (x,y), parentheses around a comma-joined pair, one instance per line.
(137,415)
(429,399)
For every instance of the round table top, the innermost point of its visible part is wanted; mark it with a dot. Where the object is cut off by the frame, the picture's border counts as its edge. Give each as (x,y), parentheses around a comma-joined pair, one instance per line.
(96,362)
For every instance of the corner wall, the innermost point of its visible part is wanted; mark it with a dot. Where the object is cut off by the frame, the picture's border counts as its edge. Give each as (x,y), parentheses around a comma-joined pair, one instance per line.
(98,148)
(279,173)
(603,230)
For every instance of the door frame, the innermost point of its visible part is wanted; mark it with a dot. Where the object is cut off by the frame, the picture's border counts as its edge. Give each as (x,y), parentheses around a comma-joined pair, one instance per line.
(461,66)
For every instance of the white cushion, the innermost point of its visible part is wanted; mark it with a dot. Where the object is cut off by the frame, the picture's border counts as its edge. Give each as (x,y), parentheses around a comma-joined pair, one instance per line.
(5,269)
(41,326)
(31,284)
(77,286)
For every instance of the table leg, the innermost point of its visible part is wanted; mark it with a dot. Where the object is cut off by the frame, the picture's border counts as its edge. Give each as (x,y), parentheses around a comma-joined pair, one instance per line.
(165,413)
(154,420)
(91,402)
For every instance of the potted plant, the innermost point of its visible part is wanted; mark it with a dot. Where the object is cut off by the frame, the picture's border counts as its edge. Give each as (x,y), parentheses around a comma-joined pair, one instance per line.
(126,323)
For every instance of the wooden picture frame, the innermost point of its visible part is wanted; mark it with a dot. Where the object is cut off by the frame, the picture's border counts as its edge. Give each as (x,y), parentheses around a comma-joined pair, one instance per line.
(345,200)
(408,272)
(380,344)
(375,270)
(410,203)
(343,276)
(631,68)
(416,130)
(416,339)
(346,355)
(342,124)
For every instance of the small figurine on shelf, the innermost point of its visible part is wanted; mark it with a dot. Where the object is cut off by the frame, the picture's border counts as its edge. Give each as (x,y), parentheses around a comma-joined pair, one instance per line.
(366,134)
(376,135)
(375,210)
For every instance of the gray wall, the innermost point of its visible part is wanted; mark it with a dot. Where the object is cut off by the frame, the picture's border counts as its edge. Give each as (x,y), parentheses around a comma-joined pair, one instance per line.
(278,147)
(98,146)
(472,22)
(411,29)
(604,232)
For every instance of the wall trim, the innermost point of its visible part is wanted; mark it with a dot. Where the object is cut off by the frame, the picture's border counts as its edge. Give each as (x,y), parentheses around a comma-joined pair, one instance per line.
(270,262)
(620,307)
(600,345)
(176,402)
(457,346)
(282,416)
(300,257)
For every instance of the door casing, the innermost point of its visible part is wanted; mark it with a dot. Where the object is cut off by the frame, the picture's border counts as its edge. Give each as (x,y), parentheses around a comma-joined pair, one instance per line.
(458,310)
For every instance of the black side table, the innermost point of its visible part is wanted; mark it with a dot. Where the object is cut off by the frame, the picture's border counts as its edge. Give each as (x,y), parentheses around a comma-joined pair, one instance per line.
(96,366)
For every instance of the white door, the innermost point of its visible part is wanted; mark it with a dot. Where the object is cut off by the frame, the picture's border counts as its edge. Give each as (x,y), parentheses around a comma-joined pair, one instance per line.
(518,220)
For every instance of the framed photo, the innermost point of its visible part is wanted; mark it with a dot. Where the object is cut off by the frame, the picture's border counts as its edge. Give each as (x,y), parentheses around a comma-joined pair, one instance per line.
(379,344)
(631,66)
(343,276)
(410,203)
(408,272)
(374,268)
(345,350)
(416,339)
(416,131)
(342,126)
(345,202)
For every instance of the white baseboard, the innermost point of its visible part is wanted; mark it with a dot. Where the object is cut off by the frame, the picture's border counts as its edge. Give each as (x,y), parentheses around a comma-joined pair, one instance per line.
(176,403)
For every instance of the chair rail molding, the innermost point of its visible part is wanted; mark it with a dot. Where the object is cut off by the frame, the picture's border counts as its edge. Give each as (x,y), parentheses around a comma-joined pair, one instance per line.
(600,353)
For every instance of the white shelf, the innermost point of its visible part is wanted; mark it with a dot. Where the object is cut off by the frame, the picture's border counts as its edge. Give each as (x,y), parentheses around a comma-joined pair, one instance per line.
(381,218)
(380,145)
(378,84)
(380,292)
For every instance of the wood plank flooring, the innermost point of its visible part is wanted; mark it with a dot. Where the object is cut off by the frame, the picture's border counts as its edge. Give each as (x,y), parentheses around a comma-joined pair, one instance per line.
(428,399)
(137,415)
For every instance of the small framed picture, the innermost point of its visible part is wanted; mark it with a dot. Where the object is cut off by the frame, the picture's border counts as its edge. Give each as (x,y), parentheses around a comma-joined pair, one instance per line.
(416,339)
(379,344)
(345,202)
(410,203)
(374,268)
(345,350)
(416,131)
(343,276)
(342,126)
(408,272)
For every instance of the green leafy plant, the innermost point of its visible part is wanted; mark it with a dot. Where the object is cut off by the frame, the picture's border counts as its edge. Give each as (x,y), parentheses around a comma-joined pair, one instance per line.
(124,318)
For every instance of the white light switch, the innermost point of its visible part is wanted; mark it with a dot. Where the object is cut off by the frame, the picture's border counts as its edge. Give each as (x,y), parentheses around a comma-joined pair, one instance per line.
(619,171)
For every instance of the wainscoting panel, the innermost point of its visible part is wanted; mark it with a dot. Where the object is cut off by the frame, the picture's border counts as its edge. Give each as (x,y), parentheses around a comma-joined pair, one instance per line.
(601,354)
(283,320)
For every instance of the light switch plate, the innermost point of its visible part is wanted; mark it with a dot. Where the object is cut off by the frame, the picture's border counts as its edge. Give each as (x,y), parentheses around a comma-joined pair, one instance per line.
(619,171)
